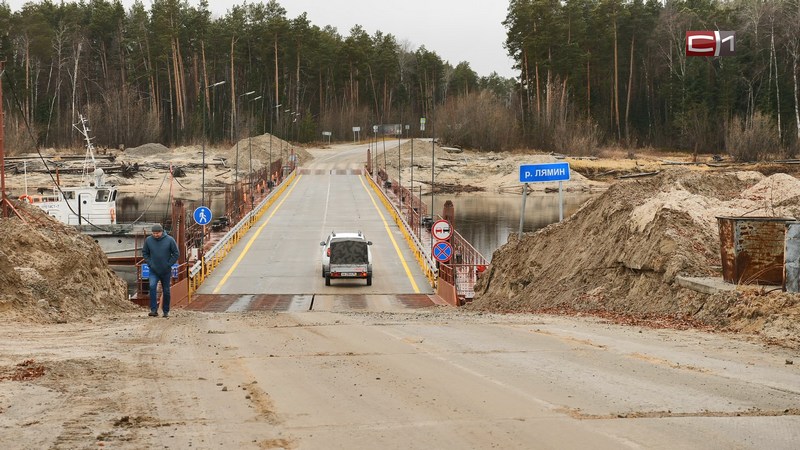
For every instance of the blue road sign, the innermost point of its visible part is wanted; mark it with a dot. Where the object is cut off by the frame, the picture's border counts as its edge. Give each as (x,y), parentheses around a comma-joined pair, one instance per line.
(533,173)
(146,271)
(202,215)
(442,251)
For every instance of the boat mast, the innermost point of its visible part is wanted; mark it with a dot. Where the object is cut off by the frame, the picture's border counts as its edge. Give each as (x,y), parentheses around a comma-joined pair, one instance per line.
(84,131)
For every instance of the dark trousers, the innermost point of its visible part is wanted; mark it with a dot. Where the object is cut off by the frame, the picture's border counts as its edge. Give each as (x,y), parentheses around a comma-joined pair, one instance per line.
(164,279)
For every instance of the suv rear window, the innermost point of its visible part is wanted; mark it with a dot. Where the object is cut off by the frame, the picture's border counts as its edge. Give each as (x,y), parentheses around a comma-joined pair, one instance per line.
(349,252)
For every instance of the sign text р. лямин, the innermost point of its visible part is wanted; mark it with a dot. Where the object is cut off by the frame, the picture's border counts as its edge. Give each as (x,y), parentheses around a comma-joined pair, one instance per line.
(533,173)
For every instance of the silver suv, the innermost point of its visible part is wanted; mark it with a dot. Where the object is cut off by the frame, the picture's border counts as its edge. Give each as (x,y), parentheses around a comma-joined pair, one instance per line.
(346,255)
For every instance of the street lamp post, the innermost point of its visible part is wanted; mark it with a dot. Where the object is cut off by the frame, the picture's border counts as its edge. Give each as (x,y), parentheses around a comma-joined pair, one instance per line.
(296,133)
(203,180)
(274,108)
(412,172)
(236,165)
(433,156)
(385,168)
(250,151)
(285,138)
(399,180)
(3,200)
(375,148)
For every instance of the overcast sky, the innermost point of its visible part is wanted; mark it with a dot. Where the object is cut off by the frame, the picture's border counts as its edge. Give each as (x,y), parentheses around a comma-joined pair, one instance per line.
(456,30)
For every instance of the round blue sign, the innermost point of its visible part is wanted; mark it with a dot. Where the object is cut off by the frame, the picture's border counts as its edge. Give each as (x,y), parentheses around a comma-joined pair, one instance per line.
(202,215)
(442,251)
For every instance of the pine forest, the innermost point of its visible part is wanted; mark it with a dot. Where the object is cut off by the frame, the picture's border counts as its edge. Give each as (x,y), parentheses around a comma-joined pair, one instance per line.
(590,74)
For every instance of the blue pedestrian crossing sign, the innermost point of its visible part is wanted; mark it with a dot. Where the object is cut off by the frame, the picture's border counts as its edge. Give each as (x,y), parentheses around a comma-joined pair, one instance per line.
(202,215)
(442,251)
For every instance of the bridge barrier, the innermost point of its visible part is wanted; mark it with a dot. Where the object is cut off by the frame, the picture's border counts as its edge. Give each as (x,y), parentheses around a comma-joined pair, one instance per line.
(423,259)
(217,253)
(455,280)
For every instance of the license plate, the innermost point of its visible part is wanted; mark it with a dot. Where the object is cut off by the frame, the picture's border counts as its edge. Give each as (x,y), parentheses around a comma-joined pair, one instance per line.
(348,274)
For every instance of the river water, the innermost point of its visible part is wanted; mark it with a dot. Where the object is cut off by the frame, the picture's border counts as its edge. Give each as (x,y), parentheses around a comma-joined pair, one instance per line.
(486,221)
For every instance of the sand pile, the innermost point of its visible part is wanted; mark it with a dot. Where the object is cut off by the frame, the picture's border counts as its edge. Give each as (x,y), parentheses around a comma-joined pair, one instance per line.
(152,149)
(467,170)
(621,252)
(259,147)
(51,273)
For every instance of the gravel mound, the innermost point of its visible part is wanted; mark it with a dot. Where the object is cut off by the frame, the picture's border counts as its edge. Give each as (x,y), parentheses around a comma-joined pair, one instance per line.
(52,273)
(620,255)
(145,150)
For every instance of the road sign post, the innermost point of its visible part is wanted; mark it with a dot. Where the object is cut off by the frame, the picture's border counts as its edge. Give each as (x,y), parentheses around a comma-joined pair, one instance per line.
(540,173)
(522,211)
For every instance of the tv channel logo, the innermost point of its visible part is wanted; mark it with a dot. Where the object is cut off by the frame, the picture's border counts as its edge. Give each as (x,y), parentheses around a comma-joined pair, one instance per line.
(710,43)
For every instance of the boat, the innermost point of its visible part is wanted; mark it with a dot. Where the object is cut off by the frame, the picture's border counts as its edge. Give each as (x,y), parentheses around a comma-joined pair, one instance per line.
(91,203)
(91,207)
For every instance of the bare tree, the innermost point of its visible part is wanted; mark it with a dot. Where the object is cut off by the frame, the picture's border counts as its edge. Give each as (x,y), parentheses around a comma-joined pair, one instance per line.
(792,39)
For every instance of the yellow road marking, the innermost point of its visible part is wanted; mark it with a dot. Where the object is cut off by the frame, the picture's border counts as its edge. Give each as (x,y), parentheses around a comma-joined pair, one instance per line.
(389,232)
(255,236)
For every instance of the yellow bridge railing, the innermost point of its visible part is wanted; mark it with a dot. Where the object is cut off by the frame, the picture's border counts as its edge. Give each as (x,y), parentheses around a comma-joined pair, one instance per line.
(424,261)
(214,257)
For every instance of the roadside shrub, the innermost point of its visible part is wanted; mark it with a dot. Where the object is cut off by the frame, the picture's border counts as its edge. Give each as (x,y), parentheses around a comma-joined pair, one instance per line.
(557,126)
(341,120)
(793,149)
(577,137)
(477,120)
(752,140)
(17,138)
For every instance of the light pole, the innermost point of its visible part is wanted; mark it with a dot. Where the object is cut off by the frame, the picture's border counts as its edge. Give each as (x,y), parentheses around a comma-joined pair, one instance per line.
(412,172)
(375,148)
(296,133)
(383,139)
(433,154)
(236,165)
(274,108)
(3,200)
(399,182)
(203,181)
(285,133)
(250,151)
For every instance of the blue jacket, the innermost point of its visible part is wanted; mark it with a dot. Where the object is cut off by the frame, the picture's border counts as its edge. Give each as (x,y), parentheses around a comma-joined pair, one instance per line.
(160,254)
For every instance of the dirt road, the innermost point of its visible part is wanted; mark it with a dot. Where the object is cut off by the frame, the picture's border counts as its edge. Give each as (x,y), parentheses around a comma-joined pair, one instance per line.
(432,378)
(423,379)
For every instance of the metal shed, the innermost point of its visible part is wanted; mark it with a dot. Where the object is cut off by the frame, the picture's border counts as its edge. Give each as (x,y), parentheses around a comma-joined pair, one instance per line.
(752,249)
(791,271)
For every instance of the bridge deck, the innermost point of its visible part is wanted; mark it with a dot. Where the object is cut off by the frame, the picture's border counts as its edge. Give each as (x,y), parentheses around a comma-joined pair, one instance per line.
(310,302)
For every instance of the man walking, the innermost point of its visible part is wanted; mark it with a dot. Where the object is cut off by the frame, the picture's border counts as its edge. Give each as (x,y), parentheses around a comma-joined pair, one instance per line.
(160,252)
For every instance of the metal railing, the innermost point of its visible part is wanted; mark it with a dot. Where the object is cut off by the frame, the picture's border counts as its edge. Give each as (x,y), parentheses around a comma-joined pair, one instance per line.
(212,258)
(467,263)
(423,259)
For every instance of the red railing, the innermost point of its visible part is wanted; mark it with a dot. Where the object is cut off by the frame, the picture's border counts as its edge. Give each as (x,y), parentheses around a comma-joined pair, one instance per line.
(466,264)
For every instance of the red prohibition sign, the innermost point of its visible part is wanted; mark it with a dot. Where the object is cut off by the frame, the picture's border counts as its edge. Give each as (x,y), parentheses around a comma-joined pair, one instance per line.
(441,230)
